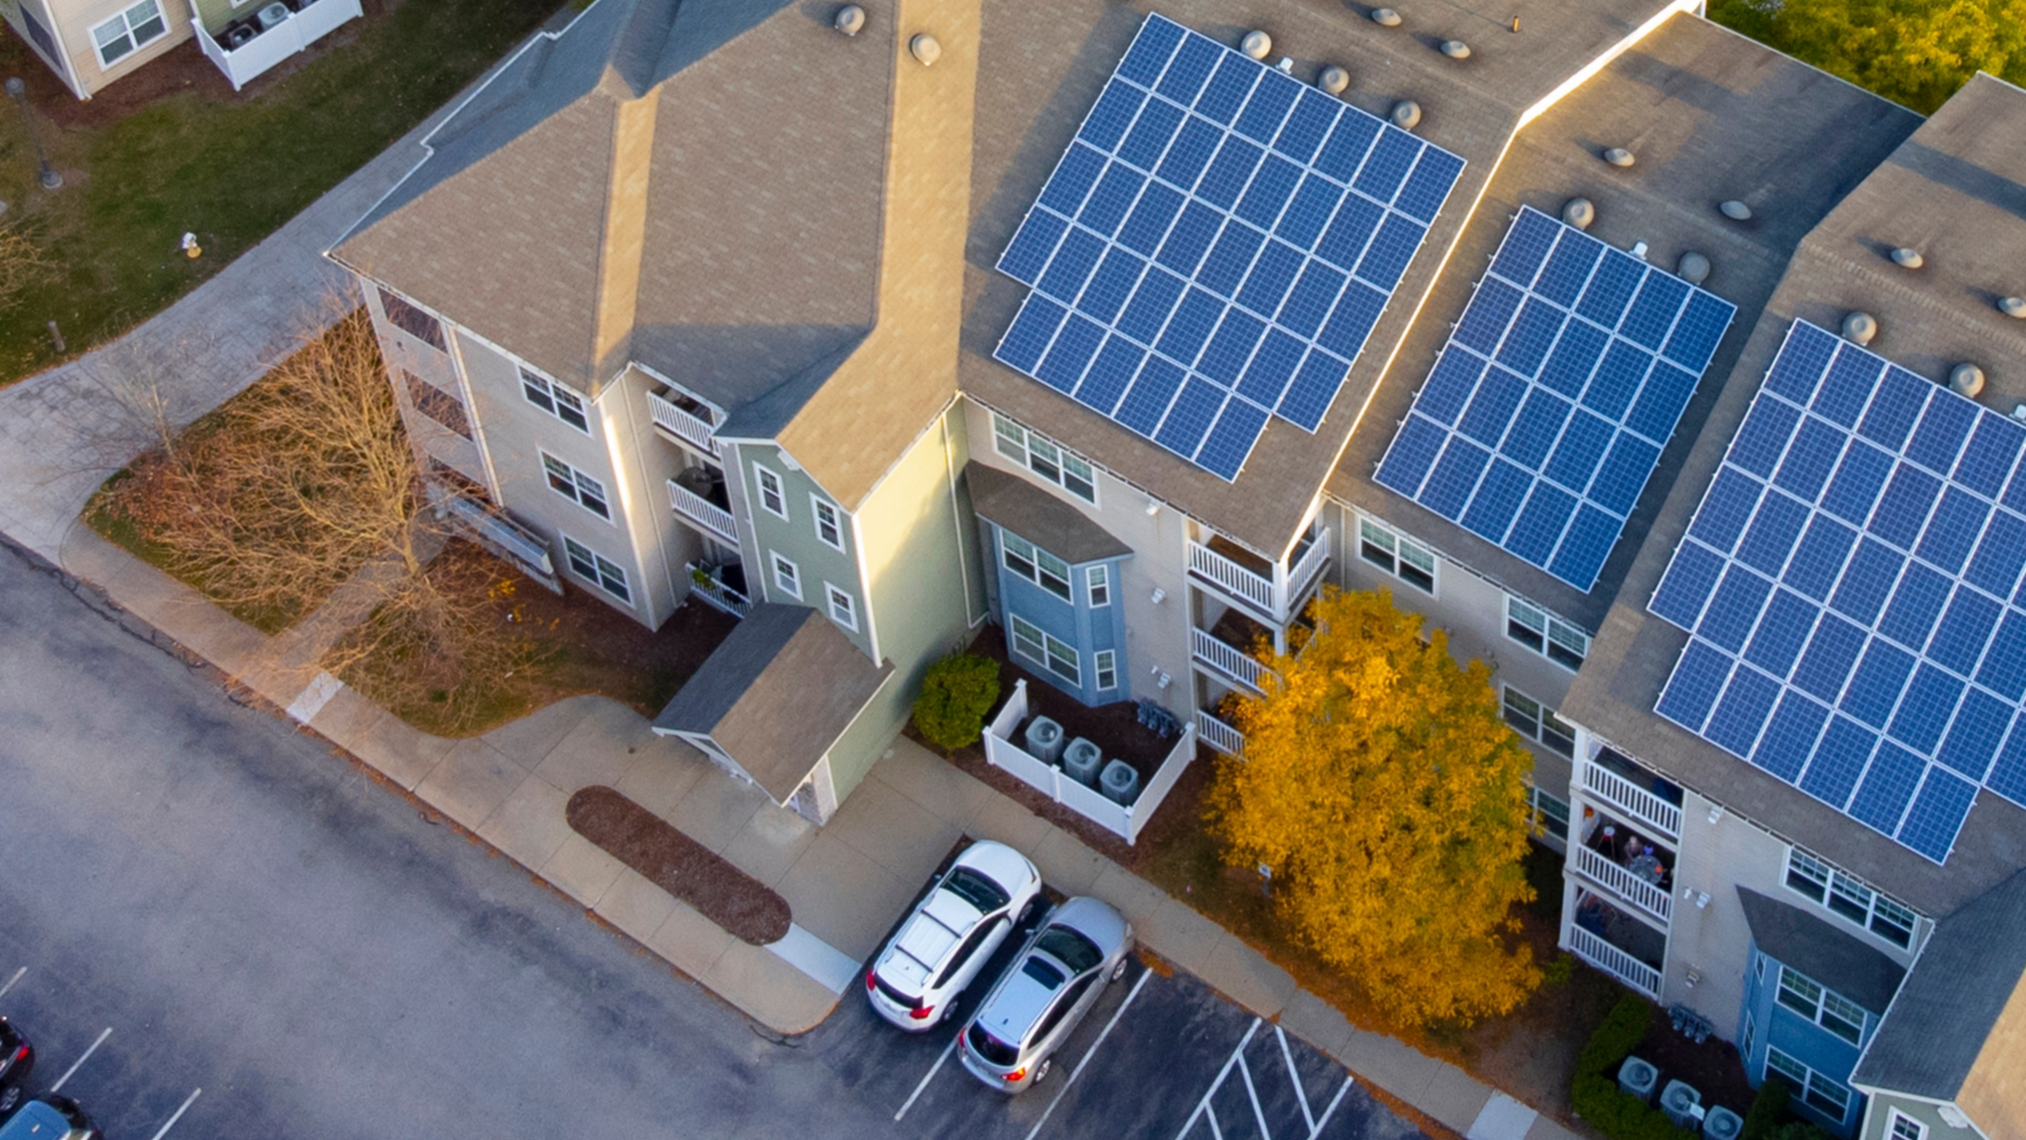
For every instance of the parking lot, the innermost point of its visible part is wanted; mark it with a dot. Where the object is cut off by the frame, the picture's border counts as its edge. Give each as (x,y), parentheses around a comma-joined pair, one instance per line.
(78,1054)
(1161,1057)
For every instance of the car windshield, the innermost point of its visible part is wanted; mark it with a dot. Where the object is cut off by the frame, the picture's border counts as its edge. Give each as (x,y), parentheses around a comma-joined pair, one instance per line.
(991,1048)
(1043,972)
(1070,948)
(975,889)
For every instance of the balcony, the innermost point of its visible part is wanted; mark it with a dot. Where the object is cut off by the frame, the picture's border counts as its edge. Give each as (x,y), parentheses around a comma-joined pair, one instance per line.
(1611,786)
(1623,882)
(687,420)
(1219,735)
(721,587)
(1619,964)
(1271,591)
(1226,662)
(710,509)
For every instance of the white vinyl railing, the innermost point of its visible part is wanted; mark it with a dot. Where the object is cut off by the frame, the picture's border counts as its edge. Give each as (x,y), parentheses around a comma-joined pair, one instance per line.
(1227,660)
(704,513)
(296,32)
(689,428)
(1125,821)
(1219,735)
(1272,596)
(1615,962)
(1632,799)
(716,593)
(1625,884)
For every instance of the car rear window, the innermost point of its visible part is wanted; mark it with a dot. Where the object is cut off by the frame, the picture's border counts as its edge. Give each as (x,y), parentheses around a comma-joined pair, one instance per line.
(991,1048)
(975,889)
(896,995)
(1070,948)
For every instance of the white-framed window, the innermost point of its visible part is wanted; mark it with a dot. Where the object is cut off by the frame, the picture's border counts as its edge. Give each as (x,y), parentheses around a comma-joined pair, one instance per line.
(829,524)
(1046,458)
(1546,634)
(129,31)
(1034,564)
(843,610)
(554,399)
(1904,1127)
(1097,581)
(1818,1092)
(1536,721)
(1106,662)
(1548,814)
(1821,1005)
(597,569)
(1396,554)
(576,486)
(773,499)
(1817,881)
(410,319)
(1045,649)
(787,575)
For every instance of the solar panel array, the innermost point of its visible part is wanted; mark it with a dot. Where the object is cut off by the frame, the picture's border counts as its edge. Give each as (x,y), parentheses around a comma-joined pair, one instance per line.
(1543,417)
(1850,584)
(1215,247)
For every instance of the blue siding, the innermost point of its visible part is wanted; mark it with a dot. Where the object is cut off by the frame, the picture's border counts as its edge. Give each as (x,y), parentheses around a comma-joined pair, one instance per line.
(1074,622)
(1776,1026)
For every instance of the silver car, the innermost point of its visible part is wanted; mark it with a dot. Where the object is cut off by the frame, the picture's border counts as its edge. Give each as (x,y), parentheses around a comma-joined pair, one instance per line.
(915,980)
(1036,1004)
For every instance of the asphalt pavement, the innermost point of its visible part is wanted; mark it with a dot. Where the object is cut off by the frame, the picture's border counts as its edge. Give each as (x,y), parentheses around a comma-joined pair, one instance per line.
(211,925)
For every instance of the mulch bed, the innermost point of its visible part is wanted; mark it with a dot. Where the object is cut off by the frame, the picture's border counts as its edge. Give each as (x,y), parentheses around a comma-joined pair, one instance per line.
(679,865)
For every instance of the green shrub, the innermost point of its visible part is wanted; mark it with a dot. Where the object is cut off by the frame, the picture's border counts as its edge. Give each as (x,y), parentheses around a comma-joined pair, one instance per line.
(1595,1095)
(1769,1108)
(957,692)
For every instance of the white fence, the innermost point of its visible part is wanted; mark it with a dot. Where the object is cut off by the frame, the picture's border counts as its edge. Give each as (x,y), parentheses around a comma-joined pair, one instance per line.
(1625,884)
(1615,962)
(298,31)
(689,428)
(1631,799)
(1228,660)
(1125,821)
(703,513)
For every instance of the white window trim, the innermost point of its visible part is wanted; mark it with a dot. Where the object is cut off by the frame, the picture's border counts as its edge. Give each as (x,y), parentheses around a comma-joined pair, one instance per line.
(834,596)
(817,508)
(1102,662)
(1096,584)
(1897,1118)
(1820,1004)
(1067,577)
(1834,882)
(599,568)
(1553,632)
(1539,733)
(1014,440)
(558,396)
(1049,643)
(135,43)
(774,563)
(1400,540)
(577,479)
(1807,1083)
(761,474)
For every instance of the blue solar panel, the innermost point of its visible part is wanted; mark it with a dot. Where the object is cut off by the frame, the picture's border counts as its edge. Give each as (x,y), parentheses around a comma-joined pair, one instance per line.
(1898,604)
(1524,351)
(1277,219)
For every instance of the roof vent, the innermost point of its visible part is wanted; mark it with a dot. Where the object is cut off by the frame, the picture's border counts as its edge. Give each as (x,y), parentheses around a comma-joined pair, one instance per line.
(1966,380)
(1579,213)
(1619,156)
(925,48)
(1639,250)
(1456,49)
(1406,114)
(1860,327)
(1736,211)
(1386,17)
(1334,80)
(1256,44)
(1285,66)
(1907,258)
(850,19)
(2012,306)
(1693,268)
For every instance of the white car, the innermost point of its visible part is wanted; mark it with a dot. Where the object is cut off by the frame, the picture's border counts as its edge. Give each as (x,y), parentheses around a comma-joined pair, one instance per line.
(915,980)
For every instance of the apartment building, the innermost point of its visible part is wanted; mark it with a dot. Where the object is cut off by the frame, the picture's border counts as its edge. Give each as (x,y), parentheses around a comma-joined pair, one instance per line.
(92,43)
(1125,328)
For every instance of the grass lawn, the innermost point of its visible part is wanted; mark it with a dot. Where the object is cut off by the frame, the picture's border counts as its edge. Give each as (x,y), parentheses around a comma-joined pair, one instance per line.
(179,151)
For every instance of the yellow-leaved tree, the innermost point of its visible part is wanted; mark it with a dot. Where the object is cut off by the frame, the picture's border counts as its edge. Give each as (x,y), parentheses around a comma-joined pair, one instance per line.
(1388,797)
(1915,52)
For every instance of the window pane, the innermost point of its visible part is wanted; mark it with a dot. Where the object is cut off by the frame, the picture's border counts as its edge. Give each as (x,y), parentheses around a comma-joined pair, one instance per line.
(1376,536)
(1892,922)
(1100,586)
(1009,437)
(1806,875)
(1850,901)
(1561,654)
(1522,712)
(1062,659)
(1107,669)
(1078,479)
(1842,1017)
(1786,1066)
(1526,616)
(1051,564)
(1557,734)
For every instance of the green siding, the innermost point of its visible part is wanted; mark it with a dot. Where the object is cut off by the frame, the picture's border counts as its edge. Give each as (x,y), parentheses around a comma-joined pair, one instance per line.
(795,539)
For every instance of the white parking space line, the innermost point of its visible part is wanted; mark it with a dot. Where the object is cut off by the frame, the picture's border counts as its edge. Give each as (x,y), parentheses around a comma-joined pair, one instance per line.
(10,981)
(1252,1091)
(930,1076)
(67,1073)
(1203,1106)
(171,1123)
(1089,1053)
(1300,1094)
(1317,1129)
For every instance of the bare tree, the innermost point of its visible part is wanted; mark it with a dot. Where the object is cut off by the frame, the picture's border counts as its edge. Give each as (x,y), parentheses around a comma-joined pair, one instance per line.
(303,494)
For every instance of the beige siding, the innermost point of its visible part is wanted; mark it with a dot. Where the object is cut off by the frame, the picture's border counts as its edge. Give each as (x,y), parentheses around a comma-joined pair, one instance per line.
(74,20)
